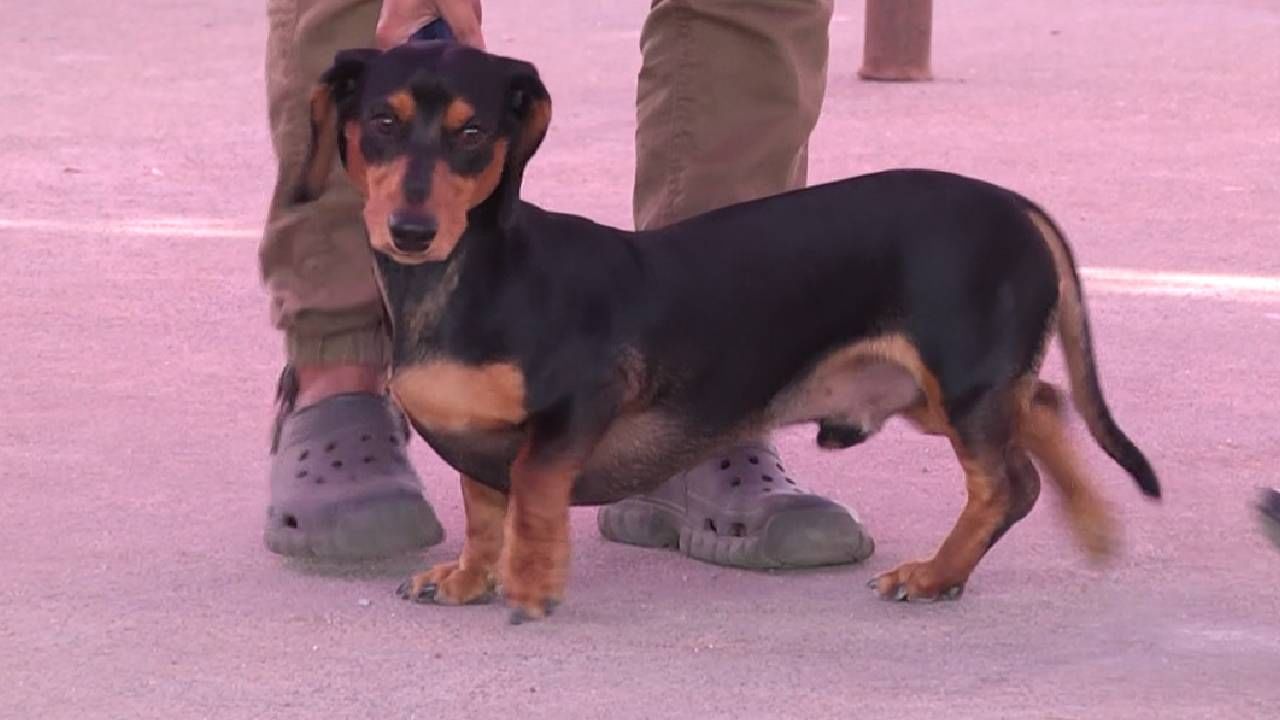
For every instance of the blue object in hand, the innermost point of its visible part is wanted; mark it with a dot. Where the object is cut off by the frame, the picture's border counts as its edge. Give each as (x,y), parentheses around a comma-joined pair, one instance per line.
(437,29)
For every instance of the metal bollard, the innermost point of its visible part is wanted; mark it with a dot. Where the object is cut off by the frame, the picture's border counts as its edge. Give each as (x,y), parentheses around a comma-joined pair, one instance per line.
(897,39)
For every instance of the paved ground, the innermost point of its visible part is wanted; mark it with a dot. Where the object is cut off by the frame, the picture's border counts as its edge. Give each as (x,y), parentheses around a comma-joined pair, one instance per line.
(139,366)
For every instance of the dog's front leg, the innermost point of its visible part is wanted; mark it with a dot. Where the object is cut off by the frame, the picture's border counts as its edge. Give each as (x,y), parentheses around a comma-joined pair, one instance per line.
(536,555)
(470,579)
(536,562)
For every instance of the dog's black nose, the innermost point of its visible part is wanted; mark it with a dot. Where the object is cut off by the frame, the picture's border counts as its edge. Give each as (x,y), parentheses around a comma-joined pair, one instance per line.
(411,232)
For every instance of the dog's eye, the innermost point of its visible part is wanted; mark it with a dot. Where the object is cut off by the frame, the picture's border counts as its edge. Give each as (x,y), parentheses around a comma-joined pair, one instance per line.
(384,122)
(470,136)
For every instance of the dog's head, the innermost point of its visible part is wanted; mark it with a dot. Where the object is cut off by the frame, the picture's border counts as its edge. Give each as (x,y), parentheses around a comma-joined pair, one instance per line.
(433,135)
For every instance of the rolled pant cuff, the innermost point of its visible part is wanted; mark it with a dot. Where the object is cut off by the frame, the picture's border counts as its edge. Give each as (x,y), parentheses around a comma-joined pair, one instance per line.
(356,346)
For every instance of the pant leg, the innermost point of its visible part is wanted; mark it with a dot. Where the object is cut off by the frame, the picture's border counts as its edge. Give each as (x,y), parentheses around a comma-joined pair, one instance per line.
(728,94)
(314,258)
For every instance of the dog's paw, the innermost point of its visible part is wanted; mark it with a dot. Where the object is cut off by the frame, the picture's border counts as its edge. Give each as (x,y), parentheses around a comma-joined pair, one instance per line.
(532,596)
(521,614)
(1095,529)
(916,581)
(448,584)
(533,576)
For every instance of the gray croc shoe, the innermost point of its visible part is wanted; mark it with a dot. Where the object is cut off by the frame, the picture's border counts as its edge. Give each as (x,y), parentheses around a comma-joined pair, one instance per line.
(1269,509)
(740,509)
(341,485)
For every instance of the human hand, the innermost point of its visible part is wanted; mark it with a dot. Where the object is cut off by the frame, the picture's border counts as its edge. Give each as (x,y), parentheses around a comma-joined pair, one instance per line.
(401,18)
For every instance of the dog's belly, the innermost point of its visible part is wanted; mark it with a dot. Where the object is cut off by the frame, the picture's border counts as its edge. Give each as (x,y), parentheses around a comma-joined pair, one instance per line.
(637,454)
(851,392)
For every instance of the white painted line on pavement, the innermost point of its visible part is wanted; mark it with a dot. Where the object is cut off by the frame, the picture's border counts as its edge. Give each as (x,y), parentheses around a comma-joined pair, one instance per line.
(1098,280)
(160,226)
(1255,288)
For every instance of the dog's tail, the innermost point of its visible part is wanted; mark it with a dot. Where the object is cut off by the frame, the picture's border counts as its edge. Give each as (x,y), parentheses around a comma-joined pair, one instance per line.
(1077,345)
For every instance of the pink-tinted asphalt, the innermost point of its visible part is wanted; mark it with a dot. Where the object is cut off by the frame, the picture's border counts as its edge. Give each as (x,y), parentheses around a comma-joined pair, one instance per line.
(138,366)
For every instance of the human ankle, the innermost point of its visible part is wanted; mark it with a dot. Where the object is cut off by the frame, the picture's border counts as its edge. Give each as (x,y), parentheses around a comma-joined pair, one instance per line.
(318,382)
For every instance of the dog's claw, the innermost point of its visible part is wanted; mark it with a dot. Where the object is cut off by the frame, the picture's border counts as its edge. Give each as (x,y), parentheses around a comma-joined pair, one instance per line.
(424,596)
(901,594)
(520,616)
(427,595)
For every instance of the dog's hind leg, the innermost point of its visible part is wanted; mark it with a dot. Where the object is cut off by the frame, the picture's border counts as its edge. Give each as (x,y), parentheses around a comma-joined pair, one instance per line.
(1024,479)
(998,486)
(1042,432)
(1024,490)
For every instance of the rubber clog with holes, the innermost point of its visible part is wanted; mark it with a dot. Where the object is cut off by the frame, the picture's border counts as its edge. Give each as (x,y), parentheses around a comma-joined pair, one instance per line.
(342,487)
(740,509)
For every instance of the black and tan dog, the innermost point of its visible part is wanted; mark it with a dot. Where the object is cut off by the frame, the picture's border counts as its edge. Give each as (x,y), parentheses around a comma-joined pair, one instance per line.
(553,361)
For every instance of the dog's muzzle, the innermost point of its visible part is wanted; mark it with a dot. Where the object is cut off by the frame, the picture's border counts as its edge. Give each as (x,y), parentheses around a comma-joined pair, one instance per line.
(411,232)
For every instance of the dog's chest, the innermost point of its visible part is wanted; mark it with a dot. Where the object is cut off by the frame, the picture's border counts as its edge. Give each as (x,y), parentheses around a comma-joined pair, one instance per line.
(438,392)
(416,298)
(448,396)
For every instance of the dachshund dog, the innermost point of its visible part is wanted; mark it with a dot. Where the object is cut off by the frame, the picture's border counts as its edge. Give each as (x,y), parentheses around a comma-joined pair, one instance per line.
(554,361)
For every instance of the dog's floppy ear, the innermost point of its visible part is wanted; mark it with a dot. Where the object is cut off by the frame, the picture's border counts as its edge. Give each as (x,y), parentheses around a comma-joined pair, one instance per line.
(332,103)
(529,108)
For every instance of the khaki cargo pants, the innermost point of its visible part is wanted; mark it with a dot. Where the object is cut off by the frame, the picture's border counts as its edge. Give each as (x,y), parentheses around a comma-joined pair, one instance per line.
(729,91)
